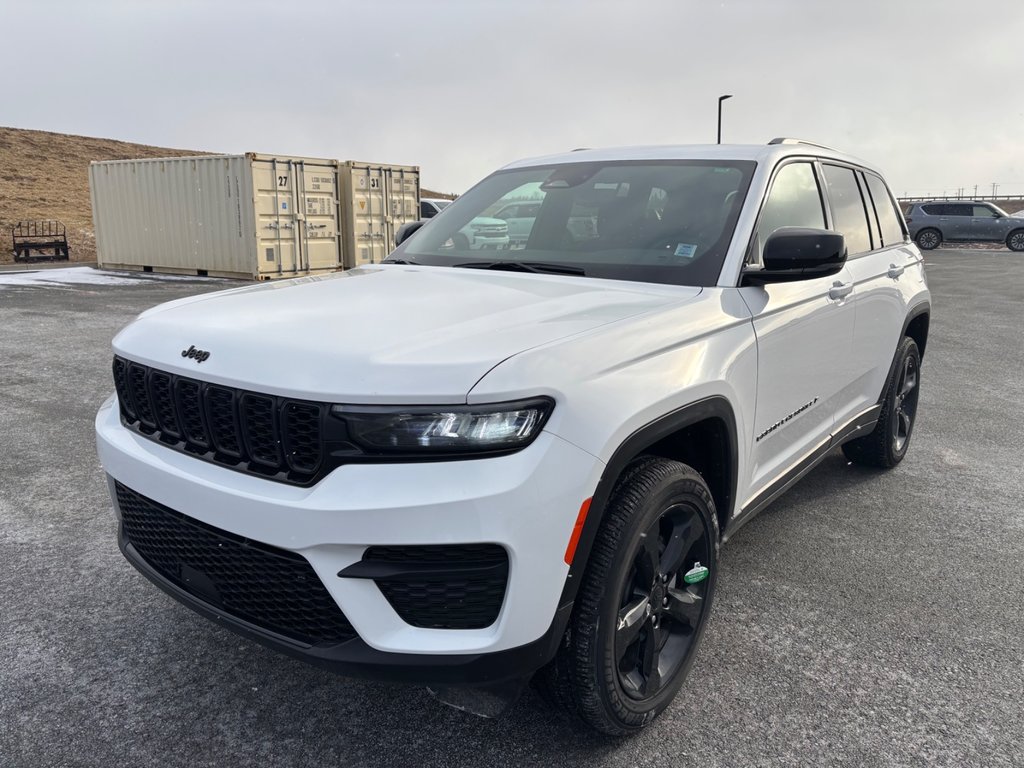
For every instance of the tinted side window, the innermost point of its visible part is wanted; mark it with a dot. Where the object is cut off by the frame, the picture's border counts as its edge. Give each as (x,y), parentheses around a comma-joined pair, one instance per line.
(888,220)
(960,210)
(934,210)
(794,201)
(848,212)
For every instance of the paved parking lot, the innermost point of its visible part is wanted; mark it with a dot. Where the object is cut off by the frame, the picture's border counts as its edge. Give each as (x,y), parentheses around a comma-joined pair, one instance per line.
(864,619)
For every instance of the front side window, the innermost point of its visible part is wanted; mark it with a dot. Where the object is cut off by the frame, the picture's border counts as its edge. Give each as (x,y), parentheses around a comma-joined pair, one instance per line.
(666,221)
(848,213)
(793,201)
(984,212)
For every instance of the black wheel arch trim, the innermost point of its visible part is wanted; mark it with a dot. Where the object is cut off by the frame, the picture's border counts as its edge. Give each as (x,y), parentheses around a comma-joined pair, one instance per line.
(919,309)
(714,407)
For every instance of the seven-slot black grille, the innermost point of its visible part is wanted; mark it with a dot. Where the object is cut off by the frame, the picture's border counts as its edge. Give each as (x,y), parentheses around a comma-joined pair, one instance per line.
(269,587)
(273,436)
(458,586)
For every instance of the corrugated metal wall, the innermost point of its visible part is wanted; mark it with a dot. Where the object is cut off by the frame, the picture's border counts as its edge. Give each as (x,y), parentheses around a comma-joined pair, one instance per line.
(178,214)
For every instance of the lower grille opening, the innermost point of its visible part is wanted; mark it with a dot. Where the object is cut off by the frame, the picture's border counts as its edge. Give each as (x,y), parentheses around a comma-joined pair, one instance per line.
(269,587)
(443,586)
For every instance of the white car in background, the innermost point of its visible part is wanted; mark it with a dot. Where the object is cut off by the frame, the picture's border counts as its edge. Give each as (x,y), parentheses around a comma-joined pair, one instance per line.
(482,233)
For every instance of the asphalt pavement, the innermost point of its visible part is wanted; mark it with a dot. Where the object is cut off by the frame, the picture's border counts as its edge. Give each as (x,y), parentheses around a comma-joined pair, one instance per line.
(864,619)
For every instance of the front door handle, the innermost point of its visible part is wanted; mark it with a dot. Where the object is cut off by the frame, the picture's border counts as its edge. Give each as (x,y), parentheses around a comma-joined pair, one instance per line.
(895,271)
(840,290)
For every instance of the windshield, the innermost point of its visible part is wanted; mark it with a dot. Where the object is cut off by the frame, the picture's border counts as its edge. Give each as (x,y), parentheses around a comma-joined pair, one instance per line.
(660,222)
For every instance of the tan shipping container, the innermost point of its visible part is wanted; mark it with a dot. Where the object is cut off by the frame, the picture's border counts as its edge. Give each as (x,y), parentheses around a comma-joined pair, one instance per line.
(377,200)
(257,216)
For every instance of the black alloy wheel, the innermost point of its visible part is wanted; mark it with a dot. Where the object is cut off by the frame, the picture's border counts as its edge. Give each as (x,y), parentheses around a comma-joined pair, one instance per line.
(659,612)
(643,602)
(887,444)
(1015,240)
(928,239)
(905,405)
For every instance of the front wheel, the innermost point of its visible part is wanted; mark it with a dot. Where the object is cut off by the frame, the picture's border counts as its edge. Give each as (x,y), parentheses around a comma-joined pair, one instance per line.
(928,239)
(1015,240)
(644,601)
(886,446)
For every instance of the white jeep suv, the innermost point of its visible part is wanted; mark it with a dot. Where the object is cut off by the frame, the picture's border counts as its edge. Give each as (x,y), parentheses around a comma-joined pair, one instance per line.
(468,473)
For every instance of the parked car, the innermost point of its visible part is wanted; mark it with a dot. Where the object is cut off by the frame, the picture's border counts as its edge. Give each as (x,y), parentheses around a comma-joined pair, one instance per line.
(520,217)
(523,467)
(430,206)
(483,232)
(932,223)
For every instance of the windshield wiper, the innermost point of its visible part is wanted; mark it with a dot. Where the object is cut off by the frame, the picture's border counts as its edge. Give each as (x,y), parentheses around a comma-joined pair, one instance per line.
(524,266)
(397,261)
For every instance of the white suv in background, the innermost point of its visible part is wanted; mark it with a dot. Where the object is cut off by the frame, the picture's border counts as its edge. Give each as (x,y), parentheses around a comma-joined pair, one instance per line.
(523,467)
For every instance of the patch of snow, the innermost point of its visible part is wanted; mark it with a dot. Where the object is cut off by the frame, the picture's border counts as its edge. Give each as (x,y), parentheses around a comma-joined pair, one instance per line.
(83,276)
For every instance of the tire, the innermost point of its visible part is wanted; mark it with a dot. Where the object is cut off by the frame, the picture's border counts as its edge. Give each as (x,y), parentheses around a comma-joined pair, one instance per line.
(886,446)
(928,239)
(1015,240)
(634,613)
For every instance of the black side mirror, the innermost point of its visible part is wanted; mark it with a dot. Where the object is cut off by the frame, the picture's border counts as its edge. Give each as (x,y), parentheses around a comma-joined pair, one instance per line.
(795,253)
(407,230)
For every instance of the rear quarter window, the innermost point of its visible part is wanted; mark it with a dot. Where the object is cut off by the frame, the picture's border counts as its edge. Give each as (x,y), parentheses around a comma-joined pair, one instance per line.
(885,209)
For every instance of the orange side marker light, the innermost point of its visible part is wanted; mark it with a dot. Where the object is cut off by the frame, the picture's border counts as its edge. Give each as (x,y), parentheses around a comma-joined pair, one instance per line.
(574,539)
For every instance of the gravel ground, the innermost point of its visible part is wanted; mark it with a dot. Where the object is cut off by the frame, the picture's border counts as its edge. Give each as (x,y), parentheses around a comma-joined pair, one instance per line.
(865,619)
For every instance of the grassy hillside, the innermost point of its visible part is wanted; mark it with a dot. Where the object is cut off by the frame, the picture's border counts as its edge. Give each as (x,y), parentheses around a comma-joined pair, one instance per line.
(46,176)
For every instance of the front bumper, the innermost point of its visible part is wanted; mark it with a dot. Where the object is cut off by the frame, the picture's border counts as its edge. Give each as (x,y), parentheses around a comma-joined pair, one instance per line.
(525,502)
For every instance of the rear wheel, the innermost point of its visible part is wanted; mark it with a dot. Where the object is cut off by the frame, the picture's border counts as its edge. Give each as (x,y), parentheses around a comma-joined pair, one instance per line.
(887,445)
(1015,240)
(644,601)
(928,239)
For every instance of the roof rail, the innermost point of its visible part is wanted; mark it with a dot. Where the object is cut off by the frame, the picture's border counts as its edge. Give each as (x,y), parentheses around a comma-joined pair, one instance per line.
(785,140)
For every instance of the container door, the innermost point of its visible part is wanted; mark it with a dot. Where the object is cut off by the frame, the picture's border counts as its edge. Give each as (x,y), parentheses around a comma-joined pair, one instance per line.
(274,187)
(317,225)
(369,214)
(401,189)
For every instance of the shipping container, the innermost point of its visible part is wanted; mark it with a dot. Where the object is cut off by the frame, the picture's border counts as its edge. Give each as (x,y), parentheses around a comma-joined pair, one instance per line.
(258,216)
(377,200)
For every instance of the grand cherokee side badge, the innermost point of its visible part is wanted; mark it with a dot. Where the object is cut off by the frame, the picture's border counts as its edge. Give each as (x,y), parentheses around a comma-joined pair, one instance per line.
(199,355)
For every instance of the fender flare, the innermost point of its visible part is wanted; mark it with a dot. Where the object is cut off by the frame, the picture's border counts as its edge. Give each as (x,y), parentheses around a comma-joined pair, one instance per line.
(921,308)
(715,406)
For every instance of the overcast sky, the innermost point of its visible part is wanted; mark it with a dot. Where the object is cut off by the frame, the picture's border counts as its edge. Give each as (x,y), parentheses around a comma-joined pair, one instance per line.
(932,91)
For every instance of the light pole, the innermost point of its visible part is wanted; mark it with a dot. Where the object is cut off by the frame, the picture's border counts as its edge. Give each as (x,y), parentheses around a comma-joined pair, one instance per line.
(720,100)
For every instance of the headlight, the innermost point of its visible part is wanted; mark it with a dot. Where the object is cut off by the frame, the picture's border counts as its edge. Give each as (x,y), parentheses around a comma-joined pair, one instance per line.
(440,429)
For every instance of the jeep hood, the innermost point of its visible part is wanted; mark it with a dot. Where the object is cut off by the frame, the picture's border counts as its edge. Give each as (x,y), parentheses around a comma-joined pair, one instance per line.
(383,334)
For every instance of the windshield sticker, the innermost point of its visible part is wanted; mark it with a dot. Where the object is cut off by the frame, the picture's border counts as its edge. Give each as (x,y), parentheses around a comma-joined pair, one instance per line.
(686,250)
